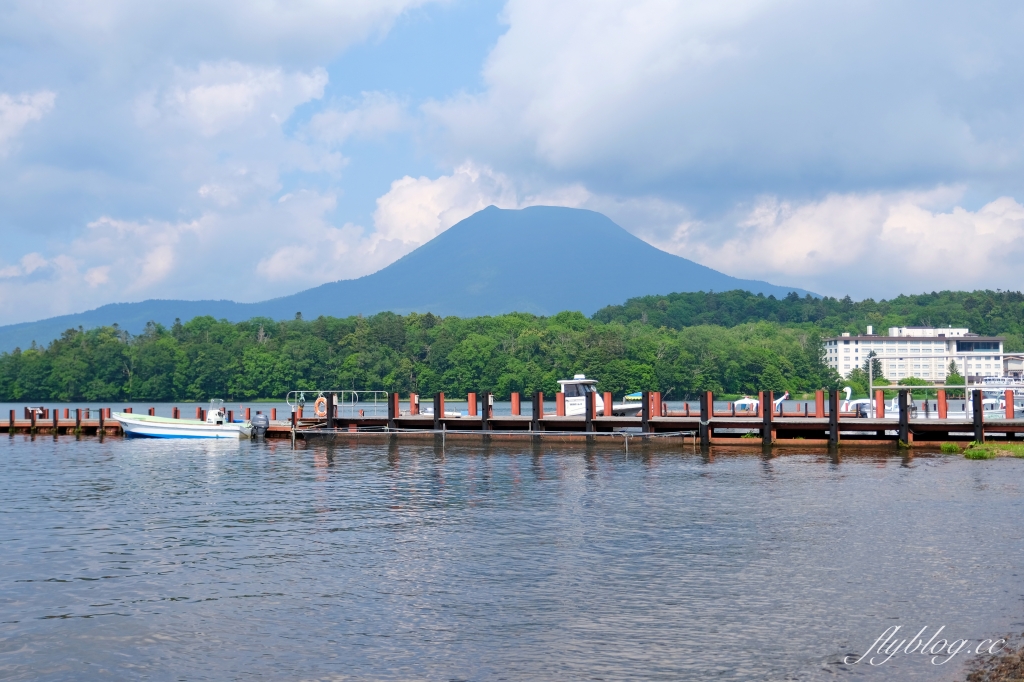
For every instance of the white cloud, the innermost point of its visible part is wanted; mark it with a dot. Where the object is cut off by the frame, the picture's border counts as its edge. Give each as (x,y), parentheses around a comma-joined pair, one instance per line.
(375,114)
(222,96)
(17,111)
(29,263)
(297,31)
(687,99)
(415,210)
(872,244)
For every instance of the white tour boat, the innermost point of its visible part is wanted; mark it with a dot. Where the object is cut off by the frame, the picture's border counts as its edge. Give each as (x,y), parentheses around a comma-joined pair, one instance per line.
(215,426)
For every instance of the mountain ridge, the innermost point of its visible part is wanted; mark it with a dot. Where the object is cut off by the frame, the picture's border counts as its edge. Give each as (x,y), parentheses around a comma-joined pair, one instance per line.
(539,260)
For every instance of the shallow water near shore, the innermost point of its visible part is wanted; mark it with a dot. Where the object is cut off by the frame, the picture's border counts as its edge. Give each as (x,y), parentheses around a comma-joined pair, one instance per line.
(219,560)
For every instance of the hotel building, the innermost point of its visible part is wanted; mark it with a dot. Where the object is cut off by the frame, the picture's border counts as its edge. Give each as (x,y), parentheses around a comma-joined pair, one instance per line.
(922,352)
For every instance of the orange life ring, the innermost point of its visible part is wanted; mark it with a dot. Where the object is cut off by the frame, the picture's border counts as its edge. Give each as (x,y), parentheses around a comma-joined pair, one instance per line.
(320,407)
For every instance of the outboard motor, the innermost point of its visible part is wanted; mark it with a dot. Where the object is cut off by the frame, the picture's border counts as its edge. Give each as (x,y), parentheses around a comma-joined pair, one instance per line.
(260,424)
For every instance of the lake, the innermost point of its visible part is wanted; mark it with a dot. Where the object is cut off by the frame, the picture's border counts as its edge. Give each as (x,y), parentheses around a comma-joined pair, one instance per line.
(127,559)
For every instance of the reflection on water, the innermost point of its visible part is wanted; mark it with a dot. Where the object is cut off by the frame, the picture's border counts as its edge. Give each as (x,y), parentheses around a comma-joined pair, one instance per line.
(223,559)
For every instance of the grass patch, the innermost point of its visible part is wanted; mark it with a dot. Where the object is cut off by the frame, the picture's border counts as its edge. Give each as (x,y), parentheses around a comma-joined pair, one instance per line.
(750,434)
(992,450)
(950,448)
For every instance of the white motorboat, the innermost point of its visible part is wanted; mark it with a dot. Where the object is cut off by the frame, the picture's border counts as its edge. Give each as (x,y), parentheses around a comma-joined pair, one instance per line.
(576,390)
(215,425)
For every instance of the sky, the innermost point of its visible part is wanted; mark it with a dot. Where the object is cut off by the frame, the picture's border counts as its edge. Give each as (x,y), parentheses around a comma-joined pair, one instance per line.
(248,150)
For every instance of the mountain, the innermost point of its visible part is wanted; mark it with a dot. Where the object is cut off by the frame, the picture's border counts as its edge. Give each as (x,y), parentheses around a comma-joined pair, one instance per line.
(540,260)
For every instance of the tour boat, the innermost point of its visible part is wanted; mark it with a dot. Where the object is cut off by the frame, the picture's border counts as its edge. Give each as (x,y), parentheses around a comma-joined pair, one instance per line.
(215,425)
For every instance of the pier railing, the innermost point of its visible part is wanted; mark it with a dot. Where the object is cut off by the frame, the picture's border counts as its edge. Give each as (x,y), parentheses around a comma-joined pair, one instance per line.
(342,402)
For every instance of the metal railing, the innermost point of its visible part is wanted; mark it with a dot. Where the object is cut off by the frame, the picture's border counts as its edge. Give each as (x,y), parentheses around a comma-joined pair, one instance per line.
(348,403)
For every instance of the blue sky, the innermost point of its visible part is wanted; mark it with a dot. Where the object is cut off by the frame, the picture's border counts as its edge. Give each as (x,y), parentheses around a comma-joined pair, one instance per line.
(236,150)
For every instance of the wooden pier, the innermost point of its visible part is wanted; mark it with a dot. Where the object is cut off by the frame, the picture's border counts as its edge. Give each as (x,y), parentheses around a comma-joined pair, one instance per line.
(824,426)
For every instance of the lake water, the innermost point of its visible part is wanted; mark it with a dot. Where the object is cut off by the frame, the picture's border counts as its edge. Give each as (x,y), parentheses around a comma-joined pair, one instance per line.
(222,560)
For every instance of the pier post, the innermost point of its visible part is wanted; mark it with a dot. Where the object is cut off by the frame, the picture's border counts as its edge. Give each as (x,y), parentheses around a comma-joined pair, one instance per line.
(100,431)
(32,421)
(559,404)
(607,411)
(152,412)
(1008,397)
(273,414)
(645,412)
(471,404)
(199,413)
(56,420)
(78,419)
(833,417)
(438,410)
(879,404)
(515,404)
(819,404)
(330,410)
(656,403)
(414,404)
(706,403)
(538,411)
(67,413)
(766,400)
(943,408)
(10,424)
(904,417)
(979,416)
(485,409)
(588,410)
(392,409)
(248,414)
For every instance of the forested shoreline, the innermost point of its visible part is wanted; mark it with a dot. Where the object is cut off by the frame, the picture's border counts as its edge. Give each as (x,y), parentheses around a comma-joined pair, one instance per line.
(732,342)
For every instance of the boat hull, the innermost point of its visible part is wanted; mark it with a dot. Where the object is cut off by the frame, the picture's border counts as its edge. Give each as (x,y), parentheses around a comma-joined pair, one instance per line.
(143,426)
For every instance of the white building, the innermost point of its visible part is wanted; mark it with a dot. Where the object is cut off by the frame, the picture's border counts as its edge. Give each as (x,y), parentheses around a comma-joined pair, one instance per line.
(922,352)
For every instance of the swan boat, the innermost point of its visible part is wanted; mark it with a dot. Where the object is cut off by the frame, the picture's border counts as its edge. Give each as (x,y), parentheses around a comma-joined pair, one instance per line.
(215,425)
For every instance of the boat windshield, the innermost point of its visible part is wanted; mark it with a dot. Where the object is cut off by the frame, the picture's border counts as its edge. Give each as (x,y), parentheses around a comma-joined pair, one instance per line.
(578,390)
(216,405)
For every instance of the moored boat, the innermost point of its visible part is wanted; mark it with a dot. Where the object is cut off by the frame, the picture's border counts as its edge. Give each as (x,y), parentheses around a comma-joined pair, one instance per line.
(214,426)
(575,391)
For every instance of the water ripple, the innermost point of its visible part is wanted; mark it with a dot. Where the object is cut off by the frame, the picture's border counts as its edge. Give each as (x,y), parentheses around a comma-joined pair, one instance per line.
(169,560)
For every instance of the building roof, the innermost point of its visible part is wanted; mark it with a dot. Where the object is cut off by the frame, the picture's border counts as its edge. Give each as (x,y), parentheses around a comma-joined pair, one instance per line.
(915,339)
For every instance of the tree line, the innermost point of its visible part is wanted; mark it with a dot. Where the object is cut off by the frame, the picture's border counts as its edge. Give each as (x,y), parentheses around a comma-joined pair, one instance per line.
(731,342)
(263,358)
(983,312)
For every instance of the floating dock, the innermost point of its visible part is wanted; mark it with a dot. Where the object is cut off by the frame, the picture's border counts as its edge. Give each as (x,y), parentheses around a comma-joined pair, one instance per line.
(653,424)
